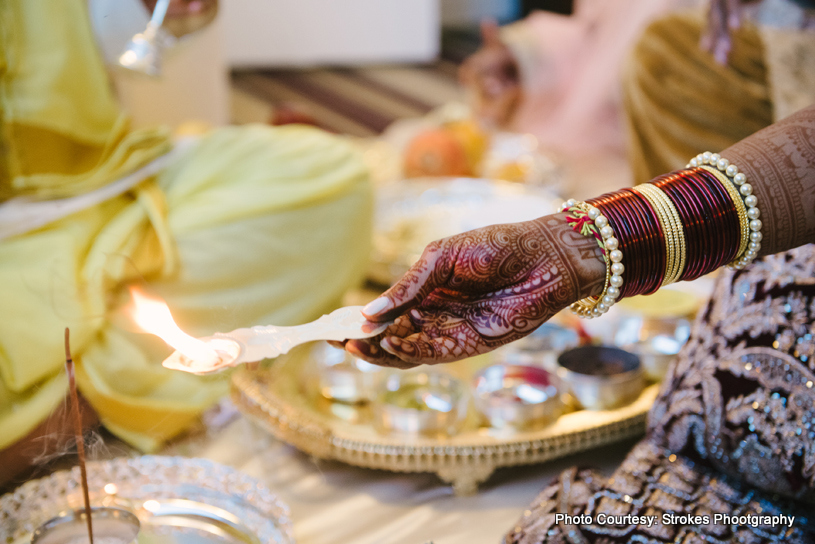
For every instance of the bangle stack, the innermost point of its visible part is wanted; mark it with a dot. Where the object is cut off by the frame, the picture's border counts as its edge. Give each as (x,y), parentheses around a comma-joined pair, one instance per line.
(677,227)
(750,222)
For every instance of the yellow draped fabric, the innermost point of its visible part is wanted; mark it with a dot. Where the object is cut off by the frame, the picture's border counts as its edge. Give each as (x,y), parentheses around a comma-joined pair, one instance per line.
(62,131)
(251,225)
(680,102)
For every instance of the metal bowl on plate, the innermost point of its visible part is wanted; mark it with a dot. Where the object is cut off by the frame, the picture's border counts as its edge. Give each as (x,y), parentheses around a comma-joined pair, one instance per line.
(517,396)
(656,341)
(342,377)
(601,377)
(540,348)
(421,402)
(655,327)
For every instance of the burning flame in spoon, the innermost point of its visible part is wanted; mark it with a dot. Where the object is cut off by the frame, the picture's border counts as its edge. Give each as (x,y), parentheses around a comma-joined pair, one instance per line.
(154,317)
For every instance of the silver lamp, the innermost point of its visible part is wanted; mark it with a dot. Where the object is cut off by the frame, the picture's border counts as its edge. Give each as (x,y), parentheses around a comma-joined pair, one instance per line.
(143,51)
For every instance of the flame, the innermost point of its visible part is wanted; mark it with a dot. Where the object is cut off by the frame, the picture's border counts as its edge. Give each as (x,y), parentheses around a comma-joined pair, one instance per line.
(154,317)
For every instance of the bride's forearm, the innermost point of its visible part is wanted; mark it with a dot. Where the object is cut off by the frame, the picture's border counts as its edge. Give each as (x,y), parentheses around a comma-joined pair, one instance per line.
(779,162)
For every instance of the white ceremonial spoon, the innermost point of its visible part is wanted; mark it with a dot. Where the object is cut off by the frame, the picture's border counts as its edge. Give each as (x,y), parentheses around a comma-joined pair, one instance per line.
(265,342)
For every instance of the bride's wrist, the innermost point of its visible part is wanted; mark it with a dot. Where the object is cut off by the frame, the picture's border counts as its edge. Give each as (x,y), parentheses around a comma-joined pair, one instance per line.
(584,269)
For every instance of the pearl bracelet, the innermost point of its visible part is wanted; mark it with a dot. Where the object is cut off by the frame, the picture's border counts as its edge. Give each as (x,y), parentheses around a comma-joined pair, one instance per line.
(751,224)
(589,221)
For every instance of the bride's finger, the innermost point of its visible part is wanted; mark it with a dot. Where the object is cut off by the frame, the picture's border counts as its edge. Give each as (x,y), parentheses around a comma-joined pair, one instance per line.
(420,348)
(373,353)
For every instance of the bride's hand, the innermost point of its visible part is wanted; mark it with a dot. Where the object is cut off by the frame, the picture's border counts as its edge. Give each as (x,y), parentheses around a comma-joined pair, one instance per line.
(473,292)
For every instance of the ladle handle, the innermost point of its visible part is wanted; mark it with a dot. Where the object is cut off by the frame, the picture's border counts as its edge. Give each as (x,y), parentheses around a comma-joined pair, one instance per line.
(159,12)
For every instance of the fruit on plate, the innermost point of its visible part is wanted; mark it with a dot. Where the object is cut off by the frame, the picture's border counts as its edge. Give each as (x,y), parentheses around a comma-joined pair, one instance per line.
(436,152)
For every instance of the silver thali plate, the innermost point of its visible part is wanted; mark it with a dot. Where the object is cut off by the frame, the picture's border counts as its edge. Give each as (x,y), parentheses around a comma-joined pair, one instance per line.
(178,501)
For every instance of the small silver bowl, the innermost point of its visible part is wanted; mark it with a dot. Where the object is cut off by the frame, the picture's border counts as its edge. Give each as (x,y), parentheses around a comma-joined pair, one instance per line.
(110,526)
(540,348)
(517,396)
(656,341)
(421,402)
(342,377)
(601,377)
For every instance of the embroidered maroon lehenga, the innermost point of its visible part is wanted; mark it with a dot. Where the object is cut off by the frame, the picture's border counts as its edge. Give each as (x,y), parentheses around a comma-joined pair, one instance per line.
(732,432)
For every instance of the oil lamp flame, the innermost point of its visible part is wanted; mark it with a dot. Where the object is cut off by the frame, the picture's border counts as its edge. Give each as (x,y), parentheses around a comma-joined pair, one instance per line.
(154,317)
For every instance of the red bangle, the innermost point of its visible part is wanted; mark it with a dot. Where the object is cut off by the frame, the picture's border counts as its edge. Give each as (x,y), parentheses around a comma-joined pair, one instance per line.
(654,244)
(728,208)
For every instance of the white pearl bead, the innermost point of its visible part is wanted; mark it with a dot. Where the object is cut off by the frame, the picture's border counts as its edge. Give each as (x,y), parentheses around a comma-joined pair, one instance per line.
(750,254)
(751,201)
(602,307)
(617,255)
(601,221)
(739,178)
(714,158)
(595,312)
(722,164)
(732,170)
(571,202)
(746,189)
(617,268)
(755,225)
(753,213)
(755,246)
(694,162)
(612,243)
(608,301)
(616,281)
(613,292)
(756,236)
(706,157)
(594,213)
(606,232)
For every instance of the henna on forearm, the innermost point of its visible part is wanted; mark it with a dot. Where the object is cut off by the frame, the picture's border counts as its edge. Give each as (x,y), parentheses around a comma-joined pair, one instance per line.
(779,162)
(471,293)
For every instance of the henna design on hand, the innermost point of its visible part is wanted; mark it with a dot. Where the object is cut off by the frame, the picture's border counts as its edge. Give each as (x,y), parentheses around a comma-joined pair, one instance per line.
(476,291)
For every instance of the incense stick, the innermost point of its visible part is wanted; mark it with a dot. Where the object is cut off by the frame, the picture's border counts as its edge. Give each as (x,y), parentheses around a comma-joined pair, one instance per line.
(79,435)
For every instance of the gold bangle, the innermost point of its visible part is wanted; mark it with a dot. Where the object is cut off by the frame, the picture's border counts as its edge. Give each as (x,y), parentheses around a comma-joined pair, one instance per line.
(672,229)
(741,210)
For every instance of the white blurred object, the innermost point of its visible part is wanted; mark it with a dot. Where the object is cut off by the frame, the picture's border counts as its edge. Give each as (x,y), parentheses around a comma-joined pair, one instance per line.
(515,157)
(194,85)
(115,22)
(311,32)
(143,52)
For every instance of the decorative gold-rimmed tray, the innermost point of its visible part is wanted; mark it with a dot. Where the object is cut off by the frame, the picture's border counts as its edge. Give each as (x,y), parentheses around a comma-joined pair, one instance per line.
(279,401)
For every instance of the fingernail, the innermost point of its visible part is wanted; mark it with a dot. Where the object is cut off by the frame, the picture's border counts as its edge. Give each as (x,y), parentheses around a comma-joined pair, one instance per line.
(377,306)
(389,345)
